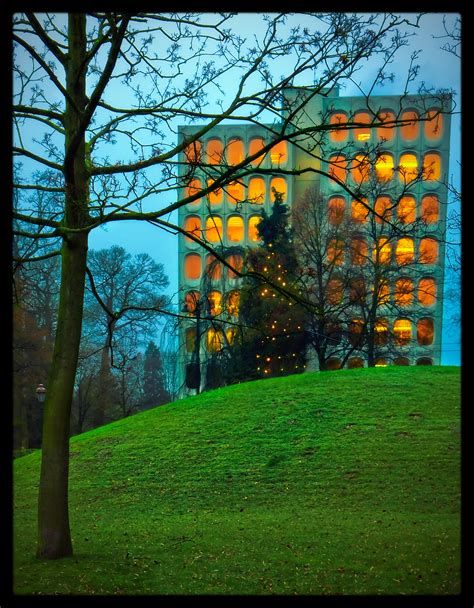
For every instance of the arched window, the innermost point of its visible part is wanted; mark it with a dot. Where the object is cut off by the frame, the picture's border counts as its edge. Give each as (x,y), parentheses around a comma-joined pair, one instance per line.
(336,207)
(382,207)
(235,151)
(360,212)
(192,188)
(215,302)
(362,133)
(355,362)
(230,334)
(193,152)
(425,331)
(333,331)
(356,328)
(381,332)
(410,129)
(235,192)
(384,292)
(386,133)
(214,151)
(339,134)
(192,225)
(279,184)
(190,339)
(235,229)
(384,167)
(335,252)
(256,190)
(430,209)
(427,291)
(424,361)
(233,302)
(402,332)
(214,340)
(434,125)
(408,167)
(335,290)
(332,364)
(380,362)
(192,266)
(191,298)
(403,291)
(428,251)
(405,251)
(357,290)
(216,196)
(401,361)
(237,262)
(213,267)
(338,167)
(432,166)
(406,209)
(256,144)
(214,229)
(382,253)
(358,251)
(360,168)
(254,221)
(279,154)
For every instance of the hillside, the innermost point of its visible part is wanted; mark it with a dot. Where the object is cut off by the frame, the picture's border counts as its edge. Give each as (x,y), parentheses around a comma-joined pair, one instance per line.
(338,483)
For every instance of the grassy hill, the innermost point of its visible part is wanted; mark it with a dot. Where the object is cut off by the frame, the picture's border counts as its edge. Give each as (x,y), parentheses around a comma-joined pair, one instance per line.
(338,483)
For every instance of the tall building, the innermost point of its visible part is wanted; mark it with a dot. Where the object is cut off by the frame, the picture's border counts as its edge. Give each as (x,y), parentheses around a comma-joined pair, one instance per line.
(408,163)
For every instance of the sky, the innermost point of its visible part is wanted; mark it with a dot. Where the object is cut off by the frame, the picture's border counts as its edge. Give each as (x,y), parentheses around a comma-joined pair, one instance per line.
(438,68)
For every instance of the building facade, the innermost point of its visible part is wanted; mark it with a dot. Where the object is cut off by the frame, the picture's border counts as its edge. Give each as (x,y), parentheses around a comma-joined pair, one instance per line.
(407,163)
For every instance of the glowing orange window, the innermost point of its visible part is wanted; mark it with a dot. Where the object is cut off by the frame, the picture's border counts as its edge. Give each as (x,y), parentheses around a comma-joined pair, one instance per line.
(406,209)
(362,133)
(434,125)
(214,229)
(380,362)
(213,267)
(430,209)
(237,262)
(335,290)
(192,266)
(382,207)
(428,251)
(192,188)
(356,327)
(215,302)
(338,134)
(191,299)
(254,221)
(235,228)
(384,167)
(382,251)
(256,190)
(355,362)
(230,334)
(410,129)
(360,168)
(432,166)
(405,251)
(381,332)
(338,167)
(233,302)
(214,340)
(193,152)
(386,133)
(192,225)
(403,291)
(427,291)
(425,331)
(360,212)
(336,207)
(408,167)
(279,154)
(255,146)
(358,251)
(216,196)
(214,151)
(335,253)
(190,339)
(384,292)
(402,330)
(278,185)
(235,192)
(235,151)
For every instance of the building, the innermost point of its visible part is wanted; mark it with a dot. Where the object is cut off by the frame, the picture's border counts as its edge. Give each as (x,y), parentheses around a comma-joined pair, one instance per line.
(412,157)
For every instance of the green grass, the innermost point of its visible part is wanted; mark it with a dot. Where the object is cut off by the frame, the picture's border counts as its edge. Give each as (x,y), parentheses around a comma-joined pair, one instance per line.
(345,482)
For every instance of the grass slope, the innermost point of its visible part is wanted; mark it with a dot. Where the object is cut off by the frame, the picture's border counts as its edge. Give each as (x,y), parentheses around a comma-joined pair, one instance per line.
(337,483)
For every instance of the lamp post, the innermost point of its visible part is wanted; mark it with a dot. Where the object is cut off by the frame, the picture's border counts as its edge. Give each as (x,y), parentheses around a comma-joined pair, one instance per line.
(40,393)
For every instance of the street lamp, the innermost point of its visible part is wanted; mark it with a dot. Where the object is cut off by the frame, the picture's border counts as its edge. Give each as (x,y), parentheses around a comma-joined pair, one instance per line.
(40,393)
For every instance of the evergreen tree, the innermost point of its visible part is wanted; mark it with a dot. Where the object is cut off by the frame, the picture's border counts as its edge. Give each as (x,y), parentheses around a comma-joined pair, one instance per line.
(154,391)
